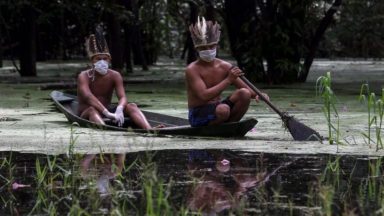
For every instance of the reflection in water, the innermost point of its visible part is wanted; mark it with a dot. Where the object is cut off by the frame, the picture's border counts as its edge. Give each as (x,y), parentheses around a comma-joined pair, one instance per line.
(180,182)
(103,167)
(221,181)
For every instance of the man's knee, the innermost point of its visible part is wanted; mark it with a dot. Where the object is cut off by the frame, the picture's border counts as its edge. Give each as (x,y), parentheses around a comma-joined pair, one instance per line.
(243,94)
(223,111)
(88,112)
(132,107)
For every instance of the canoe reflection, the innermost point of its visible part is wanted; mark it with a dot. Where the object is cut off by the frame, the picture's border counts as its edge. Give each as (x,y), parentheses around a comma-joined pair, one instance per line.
(221,181)
(103,168)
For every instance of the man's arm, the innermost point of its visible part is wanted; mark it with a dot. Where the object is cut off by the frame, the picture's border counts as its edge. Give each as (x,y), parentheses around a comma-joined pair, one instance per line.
(119,88)
(86,94)
(197,85)
(240,84)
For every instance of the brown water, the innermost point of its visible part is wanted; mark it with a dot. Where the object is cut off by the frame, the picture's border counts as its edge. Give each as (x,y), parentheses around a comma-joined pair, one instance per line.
(185,182)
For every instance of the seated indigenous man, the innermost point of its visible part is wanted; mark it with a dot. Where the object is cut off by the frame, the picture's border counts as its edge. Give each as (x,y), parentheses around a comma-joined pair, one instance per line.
(95,88)
(208,77)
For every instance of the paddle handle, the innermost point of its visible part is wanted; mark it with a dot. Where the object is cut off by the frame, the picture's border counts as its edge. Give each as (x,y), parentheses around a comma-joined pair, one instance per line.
(261,96)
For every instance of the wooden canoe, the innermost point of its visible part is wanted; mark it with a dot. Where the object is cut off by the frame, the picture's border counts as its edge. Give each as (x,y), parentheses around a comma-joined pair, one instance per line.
(68,104)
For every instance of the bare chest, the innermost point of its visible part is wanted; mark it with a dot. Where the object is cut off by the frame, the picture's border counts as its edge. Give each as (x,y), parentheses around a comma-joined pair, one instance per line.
(212,77)
(102,87)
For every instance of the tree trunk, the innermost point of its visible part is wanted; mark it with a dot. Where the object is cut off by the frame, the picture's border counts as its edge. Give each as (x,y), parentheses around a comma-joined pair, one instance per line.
(210,10)
(284,66)
(1,48)
(190,48)
(324,24)
(169,36)
(27,48)
(128,37)
(241,25)
(128,48)
(62,36)
(138,50)
(116,42)
(136,42)
(41,44)
(191,53)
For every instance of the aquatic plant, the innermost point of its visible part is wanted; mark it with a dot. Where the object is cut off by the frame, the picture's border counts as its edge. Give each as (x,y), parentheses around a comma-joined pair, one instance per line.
(375,111)
(290,206)
(41,173)
(323,88)
(374,172)
(326,194)
(155,191)
(8,165)
(371,191)
(6,180)
(331,175)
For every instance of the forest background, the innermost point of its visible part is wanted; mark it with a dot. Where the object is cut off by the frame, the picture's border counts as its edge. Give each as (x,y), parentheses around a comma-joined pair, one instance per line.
(273,41)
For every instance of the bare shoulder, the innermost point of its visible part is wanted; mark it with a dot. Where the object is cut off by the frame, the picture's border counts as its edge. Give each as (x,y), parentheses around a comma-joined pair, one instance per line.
(115,74)
(82,74)
(224,65)
(191,68)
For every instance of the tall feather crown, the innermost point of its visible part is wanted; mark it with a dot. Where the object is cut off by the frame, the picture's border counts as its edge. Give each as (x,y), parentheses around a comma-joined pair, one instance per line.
(96,44)
(204,33)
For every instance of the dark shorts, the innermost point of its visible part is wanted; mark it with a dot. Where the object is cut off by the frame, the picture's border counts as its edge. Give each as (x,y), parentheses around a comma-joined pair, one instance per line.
(202,115)
(112,108)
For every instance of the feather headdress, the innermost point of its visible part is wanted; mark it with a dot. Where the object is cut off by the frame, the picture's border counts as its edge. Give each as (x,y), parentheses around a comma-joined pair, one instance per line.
(96,44)
(204,33)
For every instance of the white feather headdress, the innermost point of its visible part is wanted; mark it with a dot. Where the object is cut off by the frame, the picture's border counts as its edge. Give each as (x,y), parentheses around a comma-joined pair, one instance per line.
(204,33)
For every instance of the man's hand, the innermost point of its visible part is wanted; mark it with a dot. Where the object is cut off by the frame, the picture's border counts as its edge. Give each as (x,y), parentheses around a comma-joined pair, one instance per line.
(119,115)
(257,98)
(109,115)
(234,73)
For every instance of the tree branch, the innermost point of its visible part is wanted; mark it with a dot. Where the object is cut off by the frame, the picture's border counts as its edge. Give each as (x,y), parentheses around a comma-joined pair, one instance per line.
(324,24)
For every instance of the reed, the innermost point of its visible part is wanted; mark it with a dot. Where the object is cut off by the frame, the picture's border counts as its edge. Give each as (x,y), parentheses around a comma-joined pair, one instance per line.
(379,123)
(8,201)
(331,175)
(41,173)
(324,89)
(326,194)
(375,113)
(374,168)
(156,192)
(8,165)
(368,97)
(290,206)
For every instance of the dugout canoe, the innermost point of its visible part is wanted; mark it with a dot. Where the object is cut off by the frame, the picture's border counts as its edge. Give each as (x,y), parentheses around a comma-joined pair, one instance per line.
(68,104)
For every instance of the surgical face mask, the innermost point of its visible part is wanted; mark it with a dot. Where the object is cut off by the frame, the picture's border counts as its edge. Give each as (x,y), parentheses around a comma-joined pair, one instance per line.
(101,67)
(208,55)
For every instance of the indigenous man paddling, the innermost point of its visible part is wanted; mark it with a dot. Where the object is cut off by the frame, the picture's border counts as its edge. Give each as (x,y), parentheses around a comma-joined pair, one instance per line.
(208,77)
(96,86)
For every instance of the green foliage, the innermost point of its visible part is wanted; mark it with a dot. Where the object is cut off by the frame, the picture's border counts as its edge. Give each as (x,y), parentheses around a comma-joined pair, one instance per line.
(331,175)
(324,89)
(375,111)
(359,31)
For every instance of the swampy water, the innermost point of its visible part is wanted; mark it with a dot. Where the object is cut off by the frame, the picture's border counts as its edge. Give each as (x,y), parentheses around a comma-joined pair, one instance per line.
(50,167)
(190,182)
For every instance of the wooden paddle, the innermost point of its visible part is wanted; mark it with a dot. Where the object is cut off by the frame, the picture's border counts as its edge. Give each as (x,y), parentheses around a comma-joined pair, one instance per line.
(298,130)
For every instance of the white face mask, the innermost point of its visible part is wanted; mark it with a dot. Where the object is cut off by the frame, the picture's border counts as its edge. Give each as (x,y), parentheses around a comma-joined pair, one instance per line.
(101,67)
(207,55)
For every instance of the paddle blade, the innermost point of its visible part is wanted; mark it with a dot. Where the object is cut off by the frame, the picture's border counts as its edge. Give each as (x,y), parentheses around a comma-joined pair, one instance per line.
(300,131)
